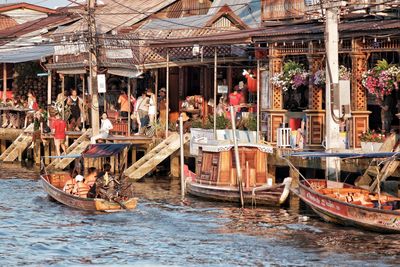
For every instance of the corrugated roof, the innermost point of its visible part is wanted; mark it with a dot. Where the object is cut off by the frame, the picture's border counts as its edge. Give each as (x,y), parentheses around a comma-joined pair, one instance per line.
(121,13)
(36,25)
(12,6)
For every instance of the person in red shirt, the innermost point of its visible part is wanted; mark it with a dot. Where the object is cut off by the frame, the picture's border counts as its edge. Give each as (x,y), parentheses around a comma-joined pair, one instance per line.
(235,99)
(59,127)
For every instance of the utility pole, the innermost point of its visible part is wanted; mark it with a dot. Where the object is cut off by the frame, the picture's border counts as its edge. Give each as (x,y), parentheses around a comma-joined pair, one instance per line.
(91,4)
(332,83)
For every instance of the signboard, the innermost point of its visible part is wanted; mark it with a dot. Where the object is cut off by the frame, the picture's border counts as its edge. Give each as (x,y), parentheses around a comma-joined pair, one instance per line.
(101,83)
(119,53)
(222,89)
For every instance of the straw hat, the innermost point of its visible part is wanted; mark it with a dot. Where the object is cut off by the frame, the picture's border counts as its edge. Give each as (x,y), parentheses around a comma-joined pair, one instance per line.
(79,178)
(185,117)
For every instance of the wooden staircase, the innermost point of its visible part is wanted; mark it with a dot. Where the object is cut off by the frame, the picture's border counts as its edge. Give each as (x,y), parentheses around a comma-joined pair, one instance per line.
(75,148)
(149,161)
(18,146)
(369,180)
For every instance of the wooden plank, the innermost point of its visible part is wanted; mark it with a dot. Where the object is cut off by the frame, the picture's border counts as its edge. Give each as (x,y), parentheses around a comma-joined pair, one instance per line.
(63,163)
(155,156)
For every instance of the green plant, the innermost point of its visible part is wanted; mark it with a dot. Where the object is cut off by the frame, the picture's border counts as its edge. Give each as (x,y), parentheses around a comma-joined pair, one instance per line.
(197,123)
(221,123)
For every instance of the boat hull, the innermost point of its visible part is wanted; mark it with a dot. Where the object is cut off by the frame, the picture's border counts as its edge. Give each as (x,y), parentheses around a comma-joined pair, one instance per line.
(339,212)
(88,204)
(272,196)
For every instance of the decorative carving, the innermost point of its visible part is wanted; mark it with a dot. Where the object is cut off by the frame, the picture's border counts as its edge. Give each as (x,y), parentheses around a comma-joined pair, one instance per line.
(275,66)
(358,92)
(315,93)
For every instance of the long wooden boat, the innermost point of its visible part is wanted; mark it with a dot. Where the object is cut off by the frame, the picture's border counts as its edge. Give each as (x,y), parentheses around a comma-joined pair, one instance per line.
(215,176)
(351,206)
(54,183)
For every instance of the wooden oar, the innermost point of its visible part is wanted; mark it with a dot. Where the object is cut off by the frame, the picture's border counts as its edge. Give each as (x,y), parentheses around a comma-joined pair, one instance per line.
(237,159)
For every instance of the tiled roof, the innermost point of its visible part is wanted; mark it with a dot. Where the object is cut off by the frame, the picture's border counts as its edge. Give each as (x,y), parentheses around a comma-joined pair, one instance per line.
(6,22)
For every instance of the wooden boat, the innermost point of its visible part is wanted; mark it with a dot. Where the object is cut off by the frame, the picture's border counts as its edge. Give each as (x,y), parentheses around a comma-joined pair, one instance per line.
(53,184)
(216,179)
(352,206)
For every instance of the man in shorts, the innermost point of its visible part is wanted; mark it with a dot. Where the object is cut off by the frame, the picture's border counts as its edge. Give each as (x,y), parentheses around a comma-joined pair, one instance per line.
(59,127)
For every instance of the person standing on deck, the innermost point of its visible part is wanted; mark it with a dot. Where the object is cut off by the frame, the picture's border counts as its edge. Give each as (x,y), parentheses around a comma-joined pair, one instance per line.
(105,128)
(123,101)
(162,105)
(59,128)
(152,106)
(142,111)
(76,105)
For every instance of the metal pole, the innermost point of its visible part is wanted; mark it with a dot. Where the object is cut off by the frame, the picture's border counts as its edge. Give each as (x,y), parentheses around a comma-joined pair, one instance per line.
(129,113)
(237,159)
(182,156)
(258,101)
(215,94)
(4,82)
(167,97)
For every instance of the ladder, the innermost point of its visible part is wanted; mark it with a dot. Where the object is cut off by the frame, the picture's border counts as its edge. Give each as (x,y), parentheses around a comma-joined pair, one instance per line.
(77,147)
(18,146)
(149,161)
(369,178)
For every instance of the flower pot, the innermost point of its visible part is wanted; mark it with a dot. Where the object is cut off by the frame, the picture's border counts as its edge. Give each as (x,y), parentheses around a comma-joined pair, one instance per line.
(371,146)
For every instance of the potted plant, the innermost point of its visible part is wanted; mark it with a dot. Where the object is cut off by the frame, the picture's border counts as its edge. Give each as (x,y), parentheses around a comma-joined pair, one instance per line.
(371,141)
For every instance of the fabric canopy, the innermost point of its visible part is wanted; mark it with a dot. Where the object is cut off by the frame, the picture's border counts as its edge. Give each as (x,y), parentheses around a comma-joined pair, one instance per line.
(124,72)
(103,150)
(24,54)
(97,151)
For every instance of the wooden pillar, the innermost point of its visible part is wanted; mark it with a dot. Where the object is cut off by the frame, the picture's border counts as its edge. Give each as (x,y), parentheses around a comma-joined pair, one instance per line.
(275,114)
(359,114)
(229,78)
(175,166)
(167,97)
(3,146)
(315,121)
(4,82)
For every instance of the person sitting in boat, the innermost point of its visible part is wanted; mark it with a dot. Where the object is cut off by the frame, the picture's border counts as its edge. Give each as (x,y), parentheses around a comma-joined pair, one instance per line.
(69,186)
(81,189)
(106,184)
(90,179)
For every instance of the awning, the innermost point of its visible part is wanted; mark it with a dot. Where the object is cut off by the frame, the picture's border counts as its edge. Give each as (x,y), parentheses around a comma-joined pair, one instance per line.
(72,71)
(97,151)
(103,150)
(130,73)
(24,54)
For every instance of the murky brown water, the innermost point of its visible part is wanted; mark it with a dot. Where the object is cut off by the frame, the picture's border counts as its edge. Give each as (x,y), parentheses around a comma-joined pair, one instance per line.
(163,230)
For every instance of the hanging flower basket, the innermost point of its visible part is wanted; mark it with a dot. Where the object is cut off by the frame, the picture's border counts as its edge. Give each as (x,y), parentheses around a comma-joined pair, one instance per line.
(292,77)
(382,79)
(319,77)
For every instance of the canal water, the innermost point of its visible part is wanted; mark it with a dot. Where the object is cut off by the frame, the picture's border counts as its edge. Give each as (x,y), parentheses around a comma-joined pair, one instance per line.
(163,230)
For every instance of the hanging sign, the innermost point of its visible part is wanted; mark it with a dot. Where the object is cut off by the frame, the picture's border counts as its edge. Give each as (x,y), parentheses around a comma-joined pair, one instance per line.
(101,83)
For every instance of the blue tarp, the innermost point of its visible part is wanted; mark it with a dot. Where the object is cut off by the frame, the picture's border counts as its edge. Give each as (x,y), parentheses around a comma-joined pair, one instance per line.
(345,155)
